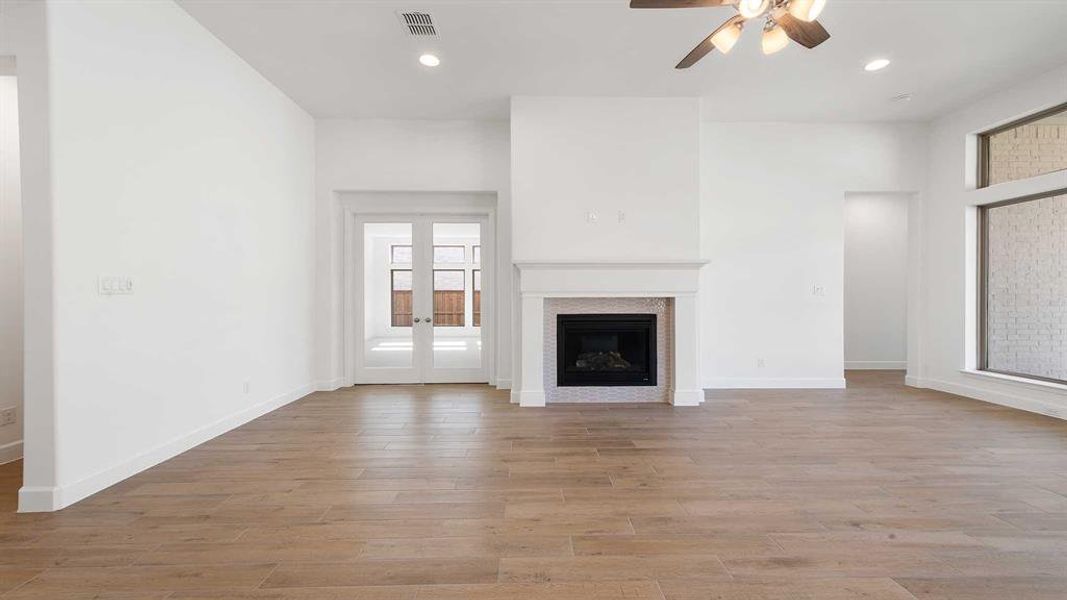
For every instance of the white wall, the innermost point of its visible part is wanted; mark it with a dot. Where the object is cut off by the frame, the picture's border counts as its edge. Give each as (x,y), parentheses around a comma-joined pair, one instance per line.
(772,225)
(10,270)
(179,166)
(948,242)
(876,281)
(400,156)
(637,156)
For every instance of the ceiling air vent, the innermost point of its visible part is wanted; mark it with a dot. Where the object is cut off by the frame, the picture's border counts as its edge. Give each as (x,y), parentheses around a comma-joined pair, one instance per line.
(418,24)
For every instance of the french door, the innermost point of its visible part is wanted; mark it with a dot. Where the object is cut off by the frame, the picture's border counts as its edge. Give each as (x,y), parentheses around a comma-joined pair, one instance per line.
(419,281)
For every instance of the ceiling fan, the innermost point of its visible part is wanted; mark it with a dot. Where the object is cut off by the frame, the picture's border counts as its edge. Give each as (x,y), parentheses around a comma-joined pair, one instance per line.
(783,20)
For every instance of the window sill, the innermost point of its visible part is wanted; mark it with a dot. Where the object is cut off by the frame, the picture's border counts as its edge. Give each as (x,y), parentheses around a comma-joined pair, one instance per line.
(1036,383)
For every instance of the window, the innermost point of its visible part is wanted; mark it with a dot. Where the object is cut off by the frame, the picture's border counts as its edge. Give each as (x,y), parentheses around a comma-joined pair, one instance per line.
(476,297)
(400,302)
(400,254)
(1023,287)
(449,255)
(477,252)
(449,297)
(1026,148)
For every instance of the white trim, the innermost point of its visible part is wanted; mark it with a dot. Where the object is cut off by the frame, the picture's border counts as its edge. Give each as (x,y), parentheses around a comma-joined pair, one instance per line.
(994,397)
(10,452)
(775,383)
(1036,383)
(503,384)
(532,398)
(687,397)
(39,499)
(329,385)
(877,365)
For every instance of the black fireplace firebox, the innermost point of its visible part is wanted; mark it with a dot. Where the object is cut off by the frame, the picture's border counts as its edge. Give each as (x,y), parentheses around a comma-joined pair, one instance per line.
(605,350)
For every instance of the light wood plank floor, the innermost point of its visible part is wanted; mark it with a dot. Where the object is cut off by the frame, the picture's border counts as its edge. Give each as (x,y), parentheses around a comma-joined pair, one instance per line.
(450,492)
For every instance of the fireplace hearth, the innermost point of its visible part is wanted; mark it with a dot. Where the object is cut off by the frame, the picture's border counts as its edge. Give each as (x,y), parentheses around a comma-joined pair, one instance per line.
(606,350)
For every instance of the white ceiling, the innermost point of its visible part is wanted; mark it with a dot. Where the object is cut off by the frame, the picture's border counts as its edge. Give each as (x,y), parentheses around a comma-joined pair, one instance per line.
(352,58)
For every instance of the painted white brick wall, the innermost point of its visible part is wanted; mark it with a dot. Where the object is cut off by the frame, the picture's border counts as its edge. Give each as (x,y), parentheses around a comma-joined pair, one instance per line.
(1027,301)
(1027,151)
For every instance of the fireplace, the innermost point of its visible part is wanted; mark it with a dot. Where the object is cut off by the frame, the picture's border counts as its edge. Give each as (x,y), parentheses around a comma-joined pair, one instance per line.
(606,350)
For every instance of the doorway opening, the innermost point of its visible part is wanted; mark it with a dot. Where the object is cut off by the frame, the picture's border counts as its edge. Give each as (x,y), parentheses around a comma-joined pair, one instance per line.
(11,291)
(421,301)
(876,281)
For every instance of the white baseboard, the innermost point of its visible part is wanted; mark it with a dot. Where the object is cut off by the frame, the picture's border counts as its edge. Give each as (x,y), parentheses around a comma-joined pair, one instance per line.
(329,385)
(10,452)
(514,396)
(775,383)
(687,397)
(877,365)
(994,397)
(531,398)
(503,384)
(913,381)
(40,499)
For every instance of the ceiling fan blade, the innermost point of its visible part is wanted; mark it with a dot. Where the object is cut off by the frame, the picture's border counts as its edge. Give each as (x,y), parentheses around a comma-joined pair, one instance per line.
(702,50)
(806,34)
(705,46)
(677,3)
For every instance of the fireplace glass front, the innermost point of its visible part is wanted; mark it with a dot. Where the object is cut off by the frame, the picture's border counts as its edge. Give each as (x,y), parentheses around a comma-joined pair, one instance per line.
(606,350)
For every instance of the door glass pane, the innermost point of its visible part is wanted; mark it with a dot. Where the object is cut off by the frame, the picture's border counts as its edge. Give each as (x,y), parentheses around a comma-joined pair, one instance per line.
(457,336)
(449,255)
(449,298)
(401,254)
(388,289)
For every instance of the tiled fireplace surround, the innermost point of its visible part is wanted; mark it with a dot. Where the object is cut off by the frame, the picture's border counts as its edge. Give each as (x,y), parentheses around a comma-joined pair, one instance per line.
(665,288)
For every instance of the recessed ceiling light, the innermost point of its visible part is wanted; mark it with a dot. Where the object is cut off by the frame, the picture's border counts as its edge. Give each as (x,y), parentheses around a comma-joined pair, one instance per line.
(429,60)
(877,64)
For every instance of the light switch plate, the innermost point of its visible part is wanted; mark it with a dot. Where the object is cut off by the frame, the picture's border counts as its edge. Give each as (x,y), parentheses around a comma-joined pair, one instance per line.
(111,285)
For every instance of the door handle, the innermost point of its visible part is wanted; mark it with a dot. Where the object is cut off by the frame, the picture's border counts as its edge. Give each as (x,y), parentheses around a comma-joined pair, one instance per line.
(428,320)
(416,319)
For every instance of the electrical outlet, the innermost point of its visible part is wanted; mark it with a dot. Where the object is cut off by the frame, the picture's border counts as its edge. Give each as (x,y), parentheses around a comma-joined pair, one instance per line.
(591,217)
(7,417)
(760,363)
(110,285)
(818,290)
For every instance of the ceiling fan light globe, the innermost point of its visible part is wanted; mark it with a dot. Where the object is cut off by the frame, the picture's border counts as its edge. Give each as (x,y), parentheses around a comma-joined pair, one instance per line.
(750,9)
(774,40)
(806,10)
(726,38)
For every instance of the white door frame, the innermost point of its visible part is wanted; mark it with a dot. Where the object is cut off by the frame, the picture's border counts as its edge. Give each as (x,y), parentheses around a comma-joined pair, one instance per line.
(352,310)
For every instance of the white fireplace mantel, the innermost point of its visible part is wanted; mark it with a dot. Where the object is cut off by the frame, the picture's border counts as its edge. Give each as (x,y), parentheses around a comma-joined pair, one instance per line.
(675,279)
